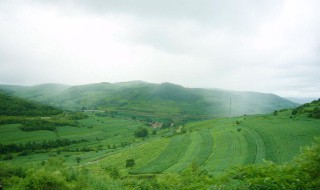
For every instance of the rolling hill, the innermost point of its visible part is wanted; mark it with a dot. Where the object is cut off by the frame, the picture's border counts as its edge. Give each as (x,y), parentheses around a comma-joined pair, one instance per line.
(94,154)
(15,106)
(153,101)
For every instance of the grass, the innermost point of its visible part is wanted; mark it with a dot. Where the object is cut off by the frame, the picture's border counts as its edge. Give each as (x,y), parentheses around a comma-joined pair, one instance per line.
(173,152)
(215,145)
(198,151)
(10,133)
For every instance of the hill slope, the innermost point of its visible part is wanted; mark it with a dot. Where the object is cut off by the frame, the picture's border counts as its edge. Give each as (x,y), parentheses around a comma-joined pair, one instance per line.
(157,101)
(14,106)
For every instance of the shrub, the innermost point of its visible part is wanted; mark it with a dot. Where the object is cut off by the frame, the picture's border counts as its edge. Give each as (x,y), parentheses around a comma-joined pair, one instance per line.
(130,163)
(141,132)
(42,180)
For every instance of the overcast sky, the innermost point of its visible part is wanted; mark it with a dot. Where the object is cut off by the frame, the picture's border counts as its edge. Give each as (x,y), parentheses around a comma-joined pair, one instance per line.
(266,46)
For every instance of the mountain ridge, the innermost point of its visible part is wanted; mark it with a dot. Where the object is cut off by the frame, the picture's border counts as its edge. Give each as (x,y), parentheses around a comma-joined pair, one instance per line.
(149,100)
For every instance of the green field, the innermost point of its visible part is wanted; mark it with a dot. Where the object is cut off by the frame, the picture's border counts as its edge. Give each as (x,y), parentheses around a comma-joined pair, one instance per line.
(215,145)
(103,144)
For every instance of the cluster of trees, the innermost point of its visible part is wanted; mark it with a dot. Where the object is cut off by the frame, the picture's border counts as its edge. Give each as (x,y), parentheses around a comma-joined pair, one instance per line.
(11,119)
(311,109)
(45,124)
(141,132)
(77,116)
(107,113)
(15,106)
(50,123)
(302,173)
(316,113)
(34,146)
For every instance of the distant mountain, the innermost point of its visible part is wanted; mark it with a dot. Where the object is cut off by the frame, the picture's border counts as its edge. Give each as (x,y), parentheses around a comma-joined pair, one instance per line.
(14,106)
(301,100)
(141,99)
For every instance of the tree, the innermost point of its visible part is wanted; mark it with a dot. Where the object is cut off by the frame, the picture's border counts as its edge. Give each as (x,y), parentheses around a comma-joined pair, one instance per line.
(154,132)
(130,163)
(294,112)
(45,180)
(114,173)
(141,132)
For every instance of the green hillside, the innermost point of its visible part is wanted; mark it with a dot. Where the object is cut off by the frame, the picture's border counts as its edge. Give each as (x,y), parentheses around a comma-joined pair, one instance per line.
(95,153)
(311,109)
(152,101)
(14,106)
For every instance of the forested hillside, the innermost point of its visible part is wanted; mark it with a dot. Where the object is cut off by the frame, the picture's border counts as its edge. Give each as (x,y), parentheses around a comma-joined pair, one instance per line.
(152,101)
(14,106)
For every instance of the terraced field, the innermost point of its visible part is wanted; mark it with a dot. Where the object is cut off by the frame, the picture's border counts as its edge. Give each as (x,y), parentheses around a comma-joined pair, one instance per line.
(214,145)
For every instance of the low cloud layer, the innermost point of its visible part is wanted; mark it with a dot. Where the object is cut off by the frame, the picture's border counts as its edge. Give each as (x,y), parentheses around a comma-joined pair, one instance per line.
(266,46)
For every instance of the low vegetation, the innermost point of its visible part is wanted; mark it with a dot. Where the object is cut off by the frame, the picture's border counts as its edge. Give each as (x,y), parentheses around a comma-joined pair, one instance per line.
(301,173)
(310,109)
(96,150)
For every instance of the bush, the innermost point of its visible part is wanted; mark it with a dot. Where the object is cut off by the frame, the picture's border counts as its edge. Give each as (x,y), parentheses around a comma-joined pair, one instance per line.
(42,180)
(141,132)
(275,113)
(294,112)
(130,163)
(8,157)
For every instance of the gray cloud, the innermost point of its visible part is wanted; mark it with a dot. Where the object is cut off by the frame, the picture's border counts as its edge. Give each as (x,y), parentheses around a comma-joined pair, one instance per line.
(268,46)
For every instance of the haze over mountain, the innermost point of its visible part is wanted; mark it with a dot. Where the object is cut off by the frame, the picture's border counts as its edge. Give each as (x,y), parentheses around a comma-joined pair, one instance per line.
(264,46)
(137,98)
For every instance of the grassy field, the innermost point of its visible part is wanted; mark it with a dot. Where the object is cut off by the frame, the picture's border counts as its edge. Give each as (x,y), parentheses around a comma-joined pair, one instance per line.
(215,145)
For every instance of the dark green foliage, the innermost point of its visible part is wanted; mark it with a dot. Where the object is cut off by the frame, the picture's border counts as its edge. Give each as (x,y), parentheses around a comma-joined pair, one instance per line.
(294,112)
(77,116)
(310,109)
(42,180)
(19,107)
(33,146)
(8,157)
(154,132)
(141,132)
(45,124)
(8,171)
(130,163)
(275,113)
(34,125)
(113,172)
(316,112)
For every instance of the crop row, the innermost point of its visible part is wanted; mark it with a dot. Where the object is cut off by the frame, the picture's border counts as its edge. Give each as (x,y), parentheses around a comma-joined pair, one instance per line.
(174,151)
(198,152)
(272,153)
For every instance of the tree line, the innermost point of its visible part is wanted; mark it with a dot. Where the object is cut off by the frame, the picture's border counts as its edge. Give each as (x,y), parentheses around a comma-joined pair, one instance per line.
(34,146)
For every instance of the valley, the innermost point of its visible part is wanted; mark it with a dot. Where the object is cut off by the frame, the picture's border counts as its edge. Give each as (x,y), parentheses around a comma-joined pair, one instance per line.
(103,149)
